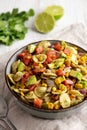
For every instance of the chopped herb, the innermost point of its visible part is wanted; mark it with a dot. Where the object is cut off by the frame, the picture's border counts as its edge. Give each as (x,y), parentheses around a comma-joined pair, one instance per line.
(12,25)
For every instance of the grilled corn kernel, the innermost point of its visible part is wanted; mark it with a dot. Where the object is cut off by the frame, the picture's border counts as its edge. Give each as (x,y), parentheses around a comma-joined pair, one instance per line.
(53,89)
(72,96)
(50,105)
(40,65)
(57,81)
(84,58)
(57,106)
(78,85)
(59,91)
(84,70)
(67,74)
(44,84)
(40,58)
(62,87)
(62,67)
(22,86)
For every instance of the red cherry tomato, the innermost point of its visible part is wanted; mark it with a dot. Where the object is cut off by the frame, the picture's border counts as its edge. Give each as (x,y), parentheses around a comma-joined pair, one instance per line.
(27,59)
(51,55)
(68,82)
(39,49)
(25,77)
(60,72)
(35,64)
(67,63)
(39,70)
(67,51)
(21,55)
(58,46)
(38,102)
(32,87)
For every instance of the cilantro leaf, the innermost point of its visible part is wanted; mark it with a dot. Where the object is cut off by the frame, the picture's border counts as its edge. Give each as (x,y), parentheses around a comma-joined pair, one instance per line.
(12,25)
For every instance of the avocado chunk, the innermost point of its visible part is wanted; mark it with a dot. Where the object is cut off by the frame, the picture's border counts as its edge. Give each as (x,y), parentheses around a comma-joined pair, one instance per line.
(76,74)
(21,66)
(63,55)
(31,80)
(56,63)
(31,48)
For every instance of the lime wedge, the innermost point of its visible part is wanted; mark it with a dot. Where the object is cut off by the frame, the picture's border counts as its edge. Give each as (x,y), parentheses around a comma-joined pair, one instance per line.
(44,22)
(55,10)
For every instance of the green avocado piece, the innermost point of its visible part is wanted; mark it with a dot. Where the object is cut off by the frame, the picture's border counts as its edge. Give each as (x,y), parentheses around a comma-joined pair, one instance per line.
(31,48)
(21,66)
(31,80)
(63,55)
(76,74)
(56,63)
(45,105)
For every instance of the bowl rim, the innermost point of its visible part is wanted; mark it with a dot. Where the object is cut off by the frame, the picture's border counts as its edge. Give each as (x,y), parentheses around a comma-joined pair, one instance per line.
(30,106)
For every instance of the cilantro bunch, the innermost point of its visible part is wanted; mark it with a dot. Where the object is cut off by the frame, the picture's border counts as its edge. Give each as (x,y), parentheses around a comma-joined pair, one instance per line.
(12,25)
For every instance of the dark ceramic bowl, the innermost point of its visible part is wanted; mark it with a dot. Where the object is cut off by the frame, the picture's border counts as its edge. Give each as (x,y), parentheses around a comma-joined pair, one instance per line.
(42,113)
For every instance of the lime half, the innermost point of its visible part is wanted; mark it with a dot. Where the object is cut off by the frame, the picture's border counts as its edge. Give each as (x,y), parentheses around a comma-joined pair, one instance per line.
(55,10)
(44,22)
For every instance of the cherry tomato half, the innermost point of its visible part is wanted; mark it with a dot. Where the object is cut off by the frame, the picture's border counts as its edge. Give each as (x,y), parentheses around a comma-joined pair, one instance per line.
(38,102)
(51,55)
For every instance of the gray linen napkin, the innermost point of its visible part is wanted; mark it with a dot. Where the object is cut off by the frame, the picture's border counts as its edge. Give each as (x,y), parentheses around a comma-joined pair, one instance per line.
(76,34)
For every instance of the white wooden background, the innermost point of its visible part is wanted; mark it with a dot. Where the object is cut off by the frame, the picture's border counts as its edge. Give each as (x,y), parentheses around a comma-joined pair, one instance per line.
(75,12)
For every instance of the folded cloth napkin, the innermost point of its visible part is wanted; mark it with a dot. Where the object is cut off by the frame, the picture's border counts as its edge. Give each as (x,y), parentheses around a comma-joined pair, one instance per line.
(76,34)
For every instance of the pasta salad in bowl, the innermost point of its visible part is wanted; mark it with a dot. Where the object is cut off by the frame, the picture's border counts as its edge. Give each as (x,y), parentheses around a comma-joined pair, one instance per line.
(48,78)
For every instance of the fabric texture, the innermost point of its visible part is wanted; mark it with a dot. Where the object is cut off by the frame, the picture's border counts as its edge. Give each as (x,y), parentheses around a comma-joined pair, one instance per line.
(76,34)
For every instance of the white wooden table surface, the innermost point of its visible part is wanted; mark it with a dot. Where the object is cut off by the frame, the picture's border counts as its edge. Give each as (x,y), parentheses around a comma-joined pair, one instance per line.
(75,12)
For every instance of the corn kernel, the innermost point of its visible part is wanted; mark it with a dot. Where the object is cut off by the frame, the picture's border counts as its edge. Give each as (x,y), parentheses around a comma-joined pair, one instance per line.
(40,65)
(78,85)
(59,91)
(62,87)
(62,67)
(28,57)
(84,71)
(67,74)
(40,58)
(44,84)
(83,58)
(57,81)
(53,89)
(22,86)
(57,106)
(72,96)
(50,105)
